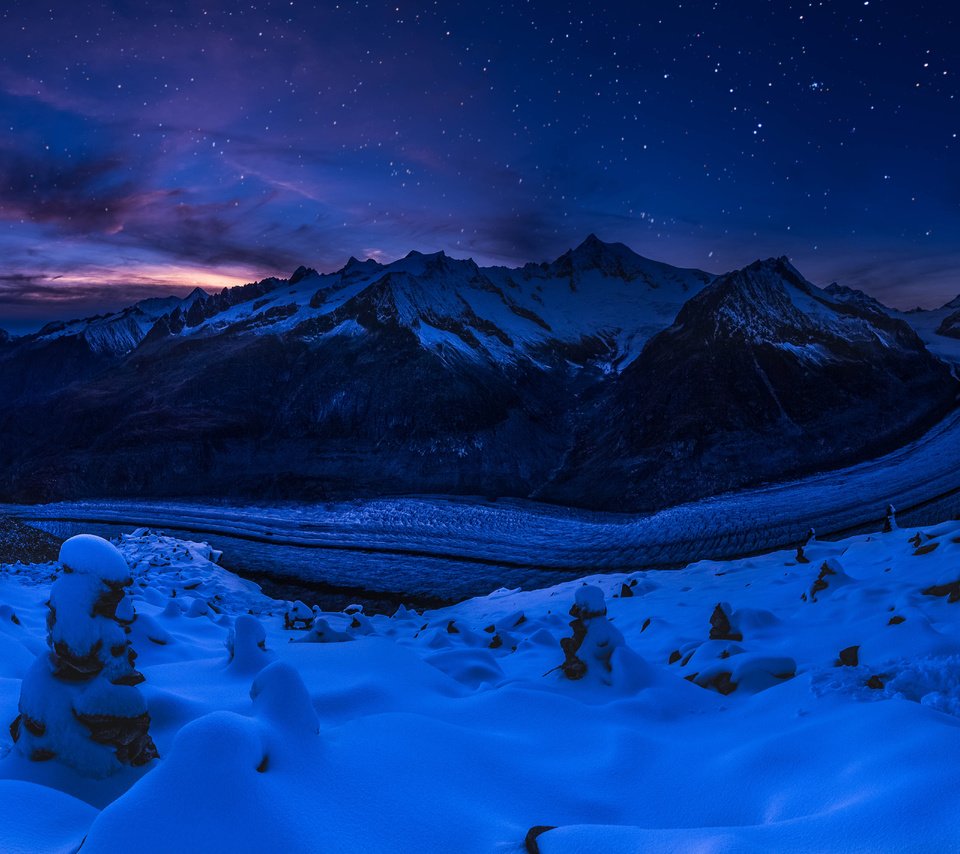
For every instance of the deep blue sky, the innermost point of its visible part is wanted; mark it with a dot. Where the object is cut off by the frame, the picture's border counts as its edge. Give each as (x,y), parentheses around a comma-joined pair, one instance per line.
(147,148)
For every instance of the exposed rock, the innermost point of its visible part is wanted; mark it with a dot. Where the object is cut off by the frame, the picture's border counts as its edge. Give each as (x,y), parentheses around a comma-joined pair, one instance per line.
(849,657)
(720,625)
(530,843)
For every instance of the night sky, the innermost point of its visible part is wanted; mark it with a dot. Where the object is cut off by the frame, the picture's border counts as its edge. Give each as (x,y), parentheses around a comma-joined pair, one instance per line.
(150,147)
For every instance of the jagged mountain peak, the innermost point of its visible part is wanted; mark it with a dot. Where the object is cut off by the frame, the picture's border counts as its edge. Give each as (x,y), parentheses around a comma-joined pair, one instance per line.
(593,252)
(354,263)
(302,273)
(426,256)
(952,304)
(198,294)
(753,302)
(595,257)
(431,264)
(778,267)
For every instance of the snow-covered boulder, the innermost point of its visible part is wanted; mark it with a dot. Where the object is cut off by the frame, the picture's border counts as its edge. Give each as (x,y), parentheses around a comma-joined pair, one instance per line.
(78,702)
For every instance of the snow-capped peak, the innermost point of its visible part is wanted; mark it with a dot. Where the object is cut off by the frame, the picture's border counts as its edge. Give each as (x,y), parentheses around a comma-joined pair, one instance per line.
(601,299)
(770,302)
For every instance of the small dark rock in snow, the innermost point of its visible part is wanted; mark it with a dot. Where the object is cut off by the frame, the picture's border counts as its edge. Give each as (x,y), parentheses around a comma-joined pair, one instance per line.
(849,657)
(722,684)
(925,550)
(951,591)
(530,841)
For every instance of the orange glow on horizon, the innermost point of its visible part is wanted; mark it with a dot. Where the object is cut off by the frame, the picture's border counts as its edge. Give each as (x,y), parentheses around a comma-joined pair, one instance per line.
(159,280)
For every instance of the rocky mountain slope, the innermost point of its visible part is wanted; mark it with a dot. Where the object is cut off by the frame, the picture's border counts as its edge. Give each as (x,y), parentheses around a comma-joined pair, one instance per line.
(433,374)
(762,375)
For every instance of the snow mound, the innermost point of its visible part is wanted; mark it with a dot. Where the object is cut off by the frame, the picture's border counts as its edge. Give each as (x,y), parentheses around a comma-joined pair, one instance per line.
(35,818)
(87,554)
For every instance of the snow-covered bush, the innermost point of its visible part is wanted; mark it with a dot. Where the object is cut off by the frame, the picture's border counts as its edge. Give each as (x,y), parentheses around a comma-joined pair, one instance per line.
(890,521)
(594,637)
(78,702)
(247,645)
(322,632)
(831,576)
(298,616)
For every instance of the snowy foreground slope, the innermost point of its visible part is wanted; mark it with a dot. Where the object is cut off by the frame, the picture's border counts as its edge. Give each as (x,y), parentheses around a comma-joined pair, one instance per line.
(830,725)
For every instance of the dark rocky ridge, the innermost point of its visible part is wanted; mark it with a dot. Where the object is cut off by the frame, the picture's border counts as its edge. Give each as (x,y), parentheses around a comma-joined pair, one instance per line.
(25,544)
(950,325)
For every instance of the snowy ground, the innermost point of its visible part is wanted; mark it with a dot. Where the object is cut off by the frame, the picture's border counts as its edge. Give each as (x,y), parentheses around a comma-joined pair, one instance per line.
(453,730)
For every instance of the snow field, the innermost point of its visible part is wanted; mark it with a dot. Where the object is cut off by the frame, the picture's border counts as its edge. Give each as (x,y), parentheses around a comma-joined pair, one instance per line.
(757,729)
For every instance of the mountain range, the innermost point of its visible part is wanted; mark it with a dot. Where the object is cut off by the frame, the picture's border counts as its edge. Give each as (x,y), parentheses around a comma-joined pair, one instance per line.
(602,379)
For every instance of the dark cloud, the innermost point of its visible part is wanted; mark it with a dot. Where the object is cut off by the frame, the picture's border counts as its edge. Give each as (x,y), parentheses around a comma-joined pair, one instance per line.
(105,199)
(82,196)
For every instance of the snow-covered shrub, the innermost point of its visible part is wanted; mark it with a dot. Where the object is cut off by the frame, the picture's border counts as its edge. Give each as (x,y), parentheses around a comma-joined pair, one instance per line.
(321,632)
(831,576)
(360,624)
(749,672)
(247,645)
(78,702)
(890,521)
(594,637)
(298,616)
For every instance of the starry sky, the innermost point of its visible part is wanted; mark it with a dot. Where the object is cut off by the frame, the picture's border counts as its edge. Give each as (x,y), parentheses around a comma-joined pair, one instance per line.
(147,148)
